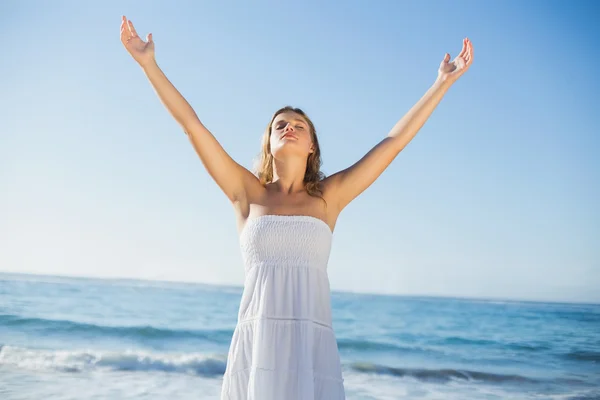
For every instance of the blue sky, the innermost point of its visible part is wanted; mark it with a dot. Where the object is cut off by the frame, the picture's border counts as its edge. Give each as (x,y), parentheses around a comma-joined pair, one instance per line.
(497,196)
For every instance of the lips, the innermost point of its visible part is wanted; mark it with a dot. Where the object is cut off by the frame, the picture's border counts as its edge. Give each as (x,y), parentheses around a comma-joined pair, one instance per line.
(289,135)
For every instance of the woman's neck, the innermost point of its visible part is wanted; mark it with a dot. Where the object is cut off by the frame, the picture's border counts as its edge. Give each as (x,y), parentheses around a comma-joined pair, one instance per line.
(288,175)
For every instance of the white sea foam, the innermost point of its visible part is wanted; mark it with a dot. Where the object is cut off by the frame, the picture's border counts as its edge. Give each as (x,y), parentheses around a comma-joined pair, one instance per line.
(129,360)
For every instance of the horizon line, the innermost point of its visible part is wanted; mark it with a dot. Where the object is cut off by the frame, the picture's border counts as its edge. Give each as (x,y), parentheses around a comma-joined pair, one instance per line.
(241,287)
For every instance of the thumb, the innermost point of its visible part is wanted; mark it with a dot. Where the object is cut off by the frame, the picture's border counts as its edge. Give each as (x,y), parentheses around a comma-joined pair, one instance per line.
(447,58)
(149,38)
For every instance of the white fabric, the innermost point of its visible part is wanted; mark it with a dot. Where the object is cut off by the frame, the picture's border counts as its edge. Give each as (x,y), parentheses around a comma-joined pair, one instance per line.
(284,347)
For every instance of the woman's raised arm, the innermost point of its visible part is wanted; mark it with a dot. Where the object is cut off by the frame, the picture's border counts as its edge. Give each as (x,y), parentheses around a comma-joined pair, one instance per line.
(230,176)
(344,186)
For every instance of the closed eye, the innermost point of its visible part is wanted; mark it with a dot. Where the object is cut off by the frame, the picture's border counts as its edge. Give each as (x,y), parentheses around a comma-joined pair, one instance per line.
(283,123)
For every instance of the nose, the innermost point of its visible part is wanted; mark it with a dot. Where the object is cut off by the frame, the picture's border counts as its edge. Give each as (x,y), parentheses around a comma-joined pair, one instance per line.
(289,128)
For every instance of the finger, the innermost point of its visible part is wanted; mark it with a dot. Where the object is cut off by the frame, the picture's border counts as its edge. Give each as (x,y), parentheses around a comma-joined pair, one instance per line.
(125,28)
(124,34)
(132,29)
(149,38)
(470,52)
(123,25)
(125,31)
(445,61)
(467,55)
(463,51)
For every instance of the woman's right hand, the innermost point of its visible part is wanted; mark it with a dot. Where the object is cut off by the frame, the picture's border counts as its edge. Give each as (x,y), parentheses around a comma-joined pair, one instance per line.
(142,52)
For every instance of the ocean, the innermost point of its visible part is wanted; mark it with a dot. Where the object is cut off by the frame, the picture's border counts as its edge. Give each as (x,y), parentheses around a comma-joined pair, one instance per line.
(78,338)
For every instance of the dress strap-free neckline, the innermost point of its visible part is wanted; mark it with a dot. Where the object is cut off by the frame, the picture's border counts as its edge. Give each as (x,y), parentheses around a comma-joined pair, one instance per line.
(288,216)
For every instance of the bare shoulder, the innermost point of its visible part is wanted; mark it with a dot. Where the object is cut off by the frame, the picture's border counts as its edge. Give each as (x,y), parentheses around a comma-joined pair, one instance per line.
(251,184)
(330,188)
(253,193)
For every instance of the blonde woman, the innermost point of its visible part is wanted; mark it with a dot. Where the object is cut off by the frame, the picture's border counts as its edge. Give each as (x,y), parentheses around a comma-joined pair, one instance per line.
(284,347)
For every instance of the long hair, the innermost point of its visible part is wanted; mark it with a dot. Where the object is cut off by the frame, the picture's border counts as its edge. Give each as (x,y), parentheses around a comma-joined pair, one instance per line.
(313,174)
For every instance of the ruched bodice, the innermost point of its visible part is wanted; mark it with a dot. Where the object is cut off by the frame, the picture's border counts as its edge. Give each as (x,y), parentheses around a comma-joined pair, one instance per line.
(286,241)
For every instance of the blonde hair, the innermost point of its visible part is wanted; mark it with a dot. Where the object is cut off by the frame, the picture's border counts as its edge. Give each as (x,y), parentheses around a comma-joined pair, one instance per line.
(313,174)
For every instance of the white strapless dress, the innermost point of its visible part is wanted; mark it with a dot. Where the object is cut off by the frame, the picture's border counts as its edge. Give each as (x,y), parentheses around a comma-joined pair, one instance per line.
(284,347)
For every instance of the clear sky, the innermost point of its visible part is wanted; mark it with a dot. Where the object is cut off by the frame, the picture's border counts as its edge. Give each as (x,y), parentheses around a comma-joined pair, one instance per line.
(497,196)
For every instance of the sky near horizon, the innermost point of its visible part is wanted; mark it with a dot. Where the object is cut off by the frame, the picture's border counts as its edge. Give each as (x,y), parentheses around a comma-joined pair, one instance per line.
(497,196)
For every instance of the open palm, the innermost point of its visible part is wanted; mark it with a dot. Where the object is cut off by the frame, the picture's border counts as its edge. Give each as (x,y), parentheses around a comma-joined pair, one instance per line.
(452,70)
(141,51)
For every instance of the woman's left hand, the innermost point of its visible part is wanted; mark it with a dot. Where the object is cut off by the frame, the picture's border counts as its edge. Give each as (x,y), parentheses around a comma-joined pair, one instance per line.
(450,71)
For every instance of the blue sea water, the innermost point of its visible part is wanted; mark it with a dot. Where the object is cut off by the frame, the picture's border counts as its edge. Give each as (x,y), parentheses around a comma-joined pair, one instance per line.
(75,338)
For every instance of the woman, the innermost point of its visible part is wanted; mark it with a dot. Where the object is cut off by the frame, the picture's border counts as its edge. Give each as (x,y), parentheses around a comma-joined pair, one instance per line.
(284,347)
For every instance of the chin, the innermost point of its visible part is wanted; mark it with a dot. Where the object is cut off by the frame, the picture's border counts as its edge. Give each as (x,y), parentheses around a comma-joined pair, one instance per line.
(289,150)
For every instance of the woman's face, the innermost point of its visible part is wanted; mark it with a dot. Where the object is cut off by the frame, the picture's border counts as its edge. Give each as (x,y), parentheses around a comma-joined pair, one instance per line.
(290,135)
